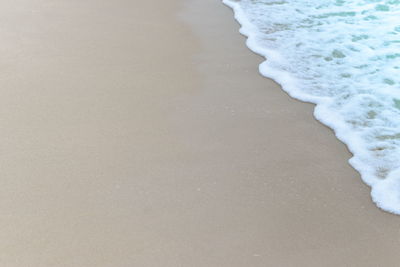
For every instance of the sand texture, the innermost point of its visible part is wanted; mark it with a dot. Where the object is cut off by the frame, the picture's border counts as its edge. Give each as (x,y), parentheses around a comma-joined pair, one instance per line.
(139,133)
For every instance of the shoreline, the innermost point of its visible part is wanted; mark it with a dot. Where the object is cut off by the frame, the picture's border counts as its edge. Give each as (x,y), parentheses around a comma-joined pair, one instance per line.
(326,209)
(141,134)
(381,193)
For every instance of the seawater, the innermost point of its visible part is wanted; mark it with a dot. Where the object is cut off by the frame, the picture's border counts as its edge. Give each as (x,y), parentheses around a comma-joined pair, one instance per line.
(344,56)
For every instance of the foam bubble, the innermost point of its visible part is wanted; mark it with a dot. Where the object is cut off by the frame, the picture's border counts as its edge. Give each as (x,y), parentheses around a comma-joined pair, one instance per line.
(344,57)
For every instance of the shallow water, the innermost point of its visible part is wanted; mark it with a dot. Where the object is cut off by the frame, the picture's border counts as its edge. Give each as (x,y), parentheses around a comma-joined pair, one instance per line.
(343,56)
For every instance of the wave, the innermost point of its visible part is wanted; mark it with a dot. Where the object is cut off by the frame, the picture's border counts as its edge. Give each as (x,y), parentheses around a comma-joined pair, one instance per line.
(344,57)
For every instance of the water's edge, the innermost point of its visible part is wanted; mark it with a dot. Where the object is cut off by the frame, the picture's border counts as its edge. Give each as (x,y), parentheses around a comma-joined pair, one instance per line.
(383,192)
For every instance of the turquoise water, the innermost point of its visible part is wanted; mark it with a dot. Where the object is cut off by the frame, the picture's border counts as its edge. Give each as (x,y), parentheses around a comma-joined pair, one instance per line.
(343,56)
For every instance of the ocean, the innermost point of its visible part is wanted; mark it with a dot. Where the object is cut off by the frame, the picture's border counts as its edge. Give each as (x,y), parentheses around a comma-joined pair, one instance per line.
(343,56)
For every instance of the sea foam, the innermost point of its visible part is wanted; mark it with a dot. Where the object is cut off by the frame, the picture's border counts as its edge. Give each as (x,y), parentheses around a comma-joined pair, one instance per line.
(344,56)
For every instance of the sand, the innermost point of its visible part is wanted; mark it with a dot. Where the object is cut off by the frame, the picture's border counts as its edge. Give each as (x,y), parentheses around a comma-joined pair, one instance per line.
(141,134)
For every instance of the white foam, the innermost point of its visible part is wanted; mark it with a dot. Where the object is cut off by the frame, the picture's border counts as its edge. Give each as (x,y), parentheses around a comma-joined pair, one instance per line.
(344,57)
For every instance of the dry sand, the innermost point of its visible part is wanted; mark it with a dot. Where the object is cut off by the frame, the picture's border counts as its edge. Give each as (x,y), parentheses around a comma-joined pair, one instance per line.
(139,133)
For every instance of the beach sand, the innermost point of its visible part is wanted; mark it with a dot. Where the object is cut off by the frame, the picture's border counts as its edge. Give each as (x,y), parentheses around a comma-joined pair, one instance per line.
(141,134)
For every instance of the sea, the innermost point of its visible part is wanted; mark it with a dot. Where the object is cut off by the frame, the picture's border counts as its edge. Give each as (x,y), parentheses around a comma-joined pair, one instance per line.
(343,56)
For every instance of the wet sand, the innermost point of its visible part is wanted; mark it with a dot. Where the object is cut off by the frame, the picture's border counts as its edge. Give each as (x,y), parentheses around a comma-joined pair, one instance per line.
(141,134)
